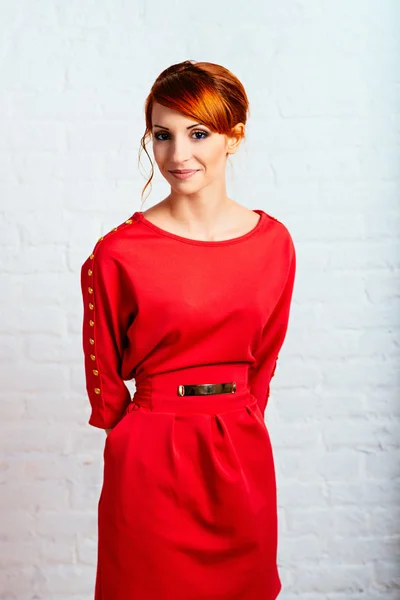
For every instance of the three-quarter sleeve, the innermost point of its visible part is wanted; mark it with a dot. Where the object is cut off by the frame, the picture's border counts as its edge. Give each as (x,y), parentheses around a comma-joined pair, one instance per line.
(106,317)
(273,336)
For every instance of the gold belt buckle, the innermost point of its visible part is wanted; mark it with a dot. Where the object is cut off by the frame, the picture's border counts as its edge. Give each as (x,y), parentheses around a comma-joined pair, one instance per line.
(205,389)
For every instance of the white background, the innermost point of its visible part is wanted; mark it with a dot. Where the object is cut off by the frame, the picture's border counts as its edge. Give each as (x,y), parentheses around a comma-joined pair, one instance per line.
(322,155)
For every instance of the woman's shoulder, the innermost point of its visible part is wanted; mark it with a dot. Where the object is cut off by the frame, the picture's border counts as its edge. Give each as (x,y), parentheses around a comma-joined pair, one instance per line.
(279,228)
(112,244)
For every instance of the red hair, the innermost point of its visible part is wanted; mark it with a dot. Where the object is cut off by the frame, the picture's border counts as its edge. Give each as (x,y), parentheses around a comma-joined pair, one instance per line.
(204,91)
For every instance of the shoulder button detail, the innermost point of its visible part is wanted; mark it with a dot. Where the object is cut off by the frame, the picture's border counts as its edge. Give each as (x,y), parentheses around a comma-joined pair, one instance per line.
(95,372)
(91,306)
(97,390)
(91,340)
(89,272)
(92,357)
(91,323)
(117,228)
(90,290)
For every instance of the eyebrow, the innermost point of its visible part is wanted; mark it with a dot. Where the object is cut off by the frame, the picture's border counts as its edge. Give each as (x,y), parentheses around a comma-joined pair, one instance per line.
(190,126)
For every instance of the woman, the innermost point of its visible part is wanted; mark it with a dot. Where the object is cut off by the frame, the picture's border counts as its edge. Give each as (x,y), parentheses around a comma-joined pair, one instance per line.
(191,298)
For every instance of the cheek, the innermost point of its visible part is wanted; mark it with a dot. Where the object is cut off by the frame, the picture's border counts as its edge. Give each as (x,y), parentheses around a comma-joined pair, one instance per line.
(157,153)
(215,158)
(160,149)
(160,157)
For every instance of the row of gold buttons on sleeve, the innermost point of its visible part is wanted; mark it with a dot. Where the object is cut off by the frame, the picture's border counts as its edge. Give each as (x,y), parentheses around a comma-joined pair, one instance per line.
(91,321)
(95,371)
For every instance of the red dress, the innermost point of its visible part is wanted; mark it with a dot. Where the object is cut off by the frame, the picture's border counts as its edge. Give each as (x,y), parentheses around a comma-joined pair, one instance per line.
(188,506)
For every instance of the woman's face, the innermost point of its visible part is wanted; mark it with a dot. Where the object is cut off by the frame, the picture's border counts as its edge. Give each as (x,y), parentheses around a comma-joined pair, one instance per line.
(181,143)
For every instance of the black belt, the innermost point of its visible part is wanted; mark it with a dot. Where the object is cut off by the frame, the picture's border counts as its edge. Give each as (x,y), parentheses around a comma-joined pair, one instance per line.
(205,389)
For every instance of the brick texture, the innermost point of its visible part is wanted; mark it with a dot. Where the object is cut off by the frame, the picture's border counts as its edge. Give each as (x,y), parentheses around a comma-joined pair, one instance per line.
(322,155)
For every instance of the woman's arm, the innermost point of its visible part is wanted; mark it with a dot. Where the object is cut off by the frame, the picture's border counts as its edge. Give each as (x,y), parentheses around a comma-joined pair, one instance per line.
(107,312)
(274,333)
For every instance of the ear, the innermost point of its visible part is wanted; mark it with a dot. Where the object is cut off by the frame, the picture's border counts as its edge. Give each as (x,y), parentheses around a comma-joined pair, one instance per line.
(235,138)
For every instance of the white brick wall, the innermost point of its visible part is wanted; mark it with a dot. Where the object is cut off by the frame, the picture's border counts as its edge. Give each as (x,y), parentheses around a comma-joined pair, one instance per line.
(322,155)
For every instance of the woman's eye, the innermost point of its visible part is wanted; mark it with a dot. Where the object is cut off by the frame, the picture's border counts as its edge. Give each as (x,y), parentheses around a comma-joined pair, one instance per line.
(203,133)
(157,136)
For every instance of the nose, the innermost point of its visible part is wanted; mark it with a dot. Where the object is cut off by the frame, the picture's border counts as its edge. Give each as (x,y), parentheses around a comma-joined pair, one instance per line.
(180,151)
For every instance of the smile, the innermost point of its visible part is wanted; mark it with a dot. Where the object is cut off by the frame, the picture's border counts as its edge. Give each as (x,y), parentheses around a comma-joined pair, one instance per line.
(186,175)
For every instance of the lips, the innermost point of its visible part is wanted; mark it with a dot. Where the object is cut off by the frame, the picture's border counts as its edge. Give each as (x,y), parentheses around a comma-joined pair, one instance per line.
(183,171)
(184,174)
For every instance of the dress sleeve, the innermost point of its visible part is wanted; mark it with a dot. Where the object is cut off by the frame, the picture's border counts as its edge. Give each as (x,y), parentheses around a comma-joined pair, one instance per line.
(106,316)
(273,336)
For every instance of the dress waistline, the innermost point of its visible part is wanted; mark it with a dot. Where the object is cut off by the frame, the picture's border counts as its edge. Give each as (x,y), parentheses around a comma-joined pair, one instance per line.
(161,391)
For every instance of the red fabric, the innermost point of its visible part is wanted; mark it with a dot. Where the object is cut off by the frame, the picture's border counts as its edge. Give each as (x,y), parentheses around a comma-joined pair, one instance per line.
(188,504)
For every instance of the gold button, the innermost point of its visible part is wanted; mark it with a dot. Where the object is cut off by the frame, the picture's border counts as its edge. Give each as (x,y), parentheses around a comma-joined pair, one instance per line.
(91,340)
(101,238)
(89,272)
(95,372)
(90,290)
(115,228)
(91,306)
(92,356)
(97,390)
(91,256)
(91,323)
(129,221)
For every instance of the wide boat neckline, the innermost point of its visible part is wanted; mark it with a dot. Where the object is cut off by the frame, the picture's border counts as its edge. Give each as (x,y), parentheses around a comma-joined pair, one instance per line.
(140,217)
